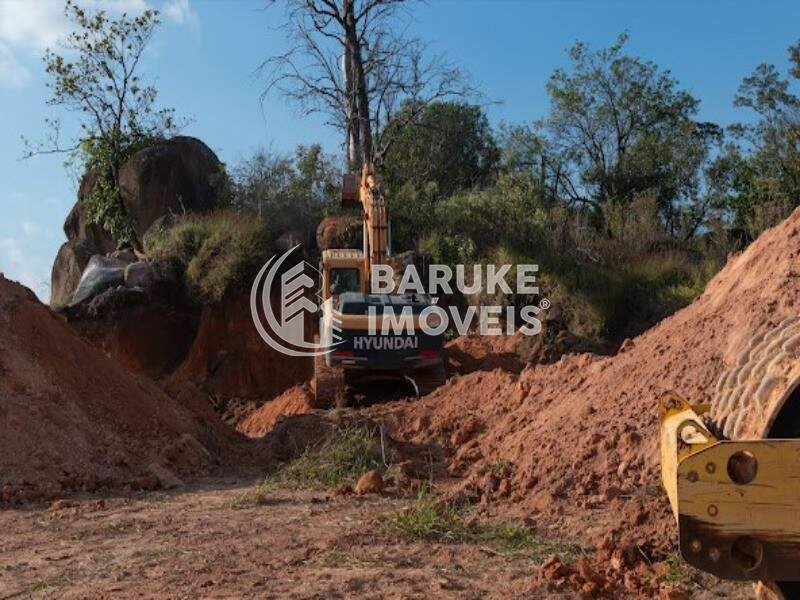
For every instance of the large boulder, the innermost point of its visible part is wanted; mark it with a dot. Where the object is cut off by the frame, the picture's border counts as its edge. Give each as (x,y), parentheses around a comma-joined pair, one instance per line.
(100,274)
(173,176)
(339,232)
(78,225)
(71,260)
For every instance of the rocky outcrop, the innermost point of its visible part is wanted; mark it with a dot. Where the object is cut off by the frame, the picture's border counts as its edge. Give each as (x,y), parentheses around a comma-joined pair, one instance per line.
(71,260)
(170,177)
(176,175)
(142,320)
(100,274)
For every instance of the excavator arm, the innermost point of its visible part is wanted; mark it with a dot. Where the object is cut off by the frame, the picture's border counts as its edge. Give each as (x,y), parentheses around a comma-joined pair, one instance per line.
(368,194)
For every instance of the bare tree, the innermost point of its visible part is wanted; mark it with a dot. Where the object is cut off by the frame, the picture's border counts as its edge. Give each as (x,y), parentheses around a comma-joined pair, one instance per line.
(349,60)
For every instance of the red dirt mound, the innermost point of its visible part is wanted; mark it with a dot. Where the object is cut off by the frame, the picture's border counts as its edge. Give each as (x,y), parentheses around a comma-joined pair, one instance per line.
(294,401)
(575,443)
(71,418)
(470,353)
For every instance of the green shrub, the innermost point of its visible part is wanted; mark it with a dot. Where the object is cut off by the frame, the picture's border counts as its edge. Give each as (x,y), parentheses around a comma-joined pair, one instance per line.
(340,459)
(609,303)
(103,204)
(430,521)
(220,252)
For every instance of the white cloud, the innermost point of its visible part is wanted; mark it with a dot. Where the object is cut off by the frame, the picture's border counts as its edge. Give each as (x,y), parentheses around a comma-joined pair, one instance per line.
(32,25)
(181,13)
(16,265)
(13,74)
(30,228)
(39,24)
(27,27)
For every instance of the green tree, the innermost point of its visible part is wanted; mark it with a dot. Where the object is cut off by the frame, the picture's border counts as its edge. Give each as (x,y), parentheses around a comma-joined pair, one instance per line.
(290,193)
(352,61)
(620,127)
(97,77)
(761,167)
(449,145)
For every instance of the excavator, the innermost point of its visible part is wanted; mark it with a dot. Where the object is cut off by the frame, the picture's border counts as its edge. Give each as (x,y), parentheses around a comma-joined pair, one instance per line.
(731,468)
(357,354)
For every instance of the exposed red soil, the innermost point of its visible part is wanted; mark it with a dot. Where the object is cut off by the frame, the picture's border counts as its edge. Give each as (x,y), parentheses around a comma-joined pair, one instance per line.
(575,443)
(470,353)
(228,359)
(294,401)
(152,340)
(71,418)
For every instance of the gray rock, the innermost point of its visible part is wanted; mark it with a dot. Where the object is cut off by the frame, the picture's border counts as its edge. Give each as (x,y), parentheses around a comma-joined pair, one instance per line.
(169,178)
(100,274)
(78,225)
(71,260)
(115,300)
(176,175)
(140,275)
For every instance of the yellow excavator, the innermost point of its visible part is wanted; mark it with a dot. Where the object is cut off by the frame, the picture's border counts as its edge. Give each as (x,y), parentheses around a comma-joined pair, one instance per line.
(359,354)
(731,469)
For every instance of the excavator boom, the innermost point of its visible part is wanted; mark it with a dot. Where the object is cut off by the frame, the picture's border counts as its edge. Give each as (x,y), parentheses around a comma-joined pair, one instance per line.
(368,194)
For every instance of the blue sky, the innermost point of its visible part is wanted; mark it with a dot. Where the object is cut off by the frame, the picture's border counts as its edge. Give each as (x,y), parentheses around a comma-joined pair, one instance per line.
(204,56)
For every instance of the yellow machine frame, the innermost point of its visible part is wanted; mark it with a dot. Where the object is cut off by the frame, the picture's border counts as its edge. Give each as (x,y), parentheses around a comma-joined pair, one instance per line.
(735,502)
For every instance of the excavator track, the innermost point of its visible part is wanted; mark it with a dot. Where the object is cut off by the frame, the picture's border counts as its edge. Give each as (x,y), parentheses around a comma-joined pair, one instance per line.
(428,379)
(757,398)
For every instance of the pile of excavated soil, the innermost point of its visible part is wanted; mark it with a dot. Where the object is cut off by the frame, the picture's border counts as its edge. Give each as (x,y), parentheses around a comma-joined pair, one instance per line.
(574,444)
(469,353)
(73,419)
(294,401)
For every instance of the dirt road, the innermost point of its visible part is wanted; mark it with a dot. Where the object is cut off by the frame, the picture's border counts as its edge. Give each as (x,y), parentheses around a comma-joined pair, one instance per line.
(213,540)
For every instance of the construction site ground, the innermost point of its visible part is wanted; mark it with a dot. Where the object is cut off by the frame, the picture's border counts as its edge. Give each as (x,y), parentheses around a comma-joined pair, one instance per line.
(106,488)
(210,539)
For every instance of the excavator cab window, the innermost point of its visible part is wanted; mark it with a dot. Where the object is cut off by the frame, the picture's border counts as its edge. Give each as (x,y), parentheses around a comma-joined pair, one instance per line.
(345,280)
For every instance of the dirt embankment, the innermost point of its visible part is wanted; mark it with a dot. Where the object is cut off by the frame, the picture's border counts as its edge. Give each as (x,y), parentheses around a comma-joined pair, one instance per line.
(233,366)
(294,401)
(72,419)
(575,443)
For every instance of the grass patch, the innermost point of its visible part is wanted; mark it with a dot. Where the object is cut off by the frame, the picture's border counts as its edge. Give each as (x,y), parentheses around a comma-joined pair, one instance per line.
(498,468)
(675,571)
(219,252)
(341,459)
(258,495)
(433,521)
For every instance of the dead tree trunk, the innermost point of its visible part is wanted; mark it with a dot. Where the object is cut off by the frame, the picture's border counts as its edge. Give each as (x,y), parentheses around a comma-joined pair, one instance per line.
(359,80)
